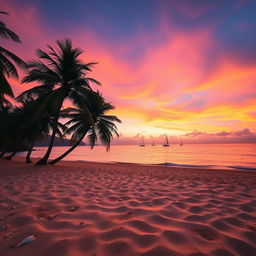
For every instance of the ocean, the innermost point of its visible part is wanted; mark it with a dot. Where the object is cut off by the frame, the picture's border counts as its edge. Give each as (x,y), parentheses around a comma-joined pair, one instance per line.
(190,155)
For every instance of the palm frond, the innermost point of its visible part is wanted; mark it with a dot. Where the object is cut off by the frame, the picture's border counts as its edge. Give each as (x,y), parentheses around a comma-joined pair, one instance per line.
(91,80)
(5,87)
(52,103)
(44,55)
(92,137)
(39,90)
(110,118)
(73,128)
(8,67)
(61,126)
(6,13)
(78,134)
(88,66)
(74,120)
(7,33)
(13,57)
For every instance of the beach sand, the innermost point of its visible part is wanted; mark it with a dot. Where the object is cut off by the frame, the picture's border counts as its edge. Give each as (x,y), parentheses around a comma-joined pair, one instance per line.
(80,208)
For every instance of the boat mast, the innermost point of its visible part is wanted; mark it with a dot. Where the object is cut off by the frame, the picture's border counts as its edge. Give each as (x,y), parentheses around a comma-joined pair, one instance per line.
(167,142)
(142,142)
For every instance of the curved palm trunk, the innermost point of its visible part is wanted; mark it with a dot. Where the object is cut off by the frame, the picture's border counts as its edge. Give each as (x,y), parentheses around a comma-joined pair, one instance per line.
(45,158)
(14,151)
(43,161)
(3,153)
(1,101)
(28,160)
(68,151)
(10,156)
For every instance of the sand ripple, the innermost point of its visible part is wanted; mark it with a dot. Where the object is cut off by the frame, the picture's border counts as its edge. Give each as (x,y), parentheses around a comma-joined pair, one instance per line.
(119,209)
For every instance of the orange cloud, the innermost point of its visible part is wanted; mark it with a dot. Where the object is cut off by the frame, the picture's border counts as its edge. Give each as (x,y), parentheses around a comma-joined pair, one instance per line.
(169,87)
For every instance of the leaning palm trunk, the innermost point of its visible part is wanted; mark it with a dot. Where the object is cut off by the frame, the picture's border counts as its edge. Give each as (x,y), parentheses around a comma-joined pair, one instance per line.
(14,152)
(68,151)
(3,153)
(28,160)
(11,155)
(43,161)
(1,101)
(45,158)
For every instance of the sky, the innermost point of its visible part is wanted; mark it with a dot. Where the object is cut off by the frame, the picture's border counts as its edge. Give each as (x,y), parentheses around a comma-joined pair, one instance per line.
(182,67)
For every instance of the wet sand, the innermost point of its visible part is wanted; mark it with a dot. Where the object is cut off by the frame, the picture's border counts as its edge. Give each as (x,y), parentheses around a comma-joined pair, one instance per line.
(79,208)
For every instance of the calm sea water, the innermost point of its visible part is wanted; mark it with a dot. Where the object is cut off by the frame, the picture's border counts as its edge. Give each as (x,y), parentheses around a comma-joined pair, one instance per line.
(211,155)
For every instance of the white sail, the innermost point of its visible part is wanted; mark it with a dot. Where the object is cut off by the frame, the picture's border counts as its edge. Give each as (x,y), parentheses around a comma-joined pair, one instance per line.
(142,142)
(166,141)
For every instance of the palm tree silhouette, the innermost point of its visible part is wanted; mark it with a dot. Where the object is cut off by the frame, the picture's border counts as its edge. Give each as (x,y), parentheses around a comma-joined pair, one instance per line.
(10,138)
(89,119)
(7,68)
(23,125)
(36,124)
(62,76)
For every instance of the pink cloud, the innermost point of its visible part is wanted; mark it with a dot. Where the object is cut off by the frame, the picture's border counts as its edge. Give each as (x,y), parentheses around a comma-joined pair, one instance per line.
(239,133)
(244,132)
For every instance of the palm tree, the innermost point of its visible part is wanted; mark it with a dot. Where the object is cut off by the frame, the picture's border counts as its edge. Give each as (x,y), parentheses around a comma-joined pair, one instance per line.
(6,32)
(38,131)
(62,76)
(36,124)
(89,118)
(23,125)
(10,138)
(4,115)
(7,68)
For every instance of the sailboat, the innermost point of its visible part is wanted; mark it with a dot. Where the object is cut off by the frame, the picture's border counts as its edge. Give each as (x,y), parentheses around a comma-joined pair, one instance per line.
(166,141)
(142,142)
(153,142)
(181,142)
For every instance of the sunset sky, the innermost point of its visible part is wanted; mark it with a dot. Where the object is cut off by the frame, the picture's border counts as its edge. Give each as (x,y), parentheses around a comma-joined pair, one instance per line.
(169,66)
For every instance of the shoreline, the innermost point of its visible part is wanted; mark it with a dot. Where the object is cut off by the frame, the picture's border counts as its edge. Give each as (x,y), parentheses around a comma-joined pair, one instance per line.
(107,209)
(167,165)
(214,157)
